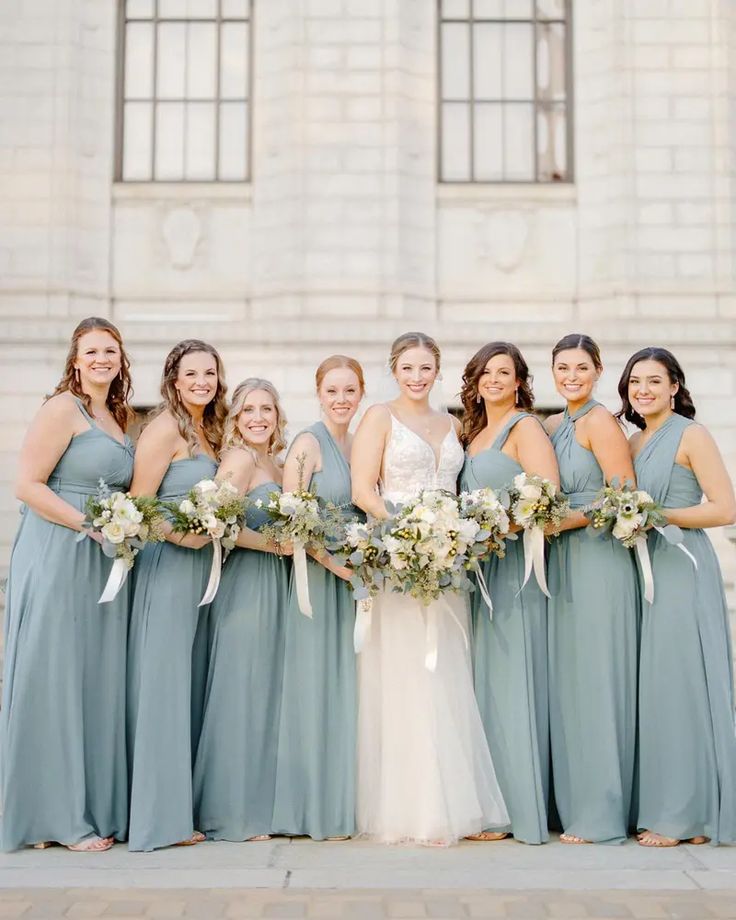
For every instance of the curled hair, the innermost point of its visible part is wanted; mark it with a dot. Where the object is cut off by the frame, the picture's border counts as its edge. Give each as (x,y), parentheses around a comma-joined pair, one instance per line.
(474,412)
(121,389)
(232,436)
(579,340)
(683,400)
(213,419)
(335,361)
(412,340)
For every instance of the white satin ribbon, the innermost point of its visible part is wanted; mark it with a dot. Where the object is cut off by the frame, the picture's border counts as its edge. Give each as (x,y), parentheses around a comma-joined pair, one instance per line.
(485,593)
(534,558)
(642,551)
(431,647)
(682,547)
(363,620)
(115,581)
(215,571)
(301,577)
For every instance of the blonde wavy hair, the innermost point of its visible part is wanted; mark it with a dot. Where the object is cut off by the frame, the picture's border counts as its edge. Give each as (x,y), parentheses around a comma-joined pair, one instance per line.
(215,412)
(232,436)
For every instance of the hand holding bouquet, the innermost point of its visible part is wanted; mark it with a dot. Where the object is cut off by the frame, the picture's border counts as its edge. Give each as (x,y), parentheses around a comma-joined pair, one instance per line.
(304,519)
(536,504)
(213,509)
(485,508)
(628,514)
(125,524)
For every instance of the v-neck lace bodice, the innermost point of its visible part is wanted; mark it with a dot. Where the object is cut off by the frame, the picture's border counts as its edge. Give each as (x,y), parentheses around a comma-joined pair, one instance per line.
(411,465)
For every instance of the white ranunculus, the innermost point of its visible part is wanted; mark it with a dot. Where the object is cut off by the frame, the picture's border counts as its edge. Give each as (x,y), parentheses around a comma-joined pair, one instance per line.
(467,530)
(187,507)
(519,480)
(625,526)
(130,528)
(643,498)
(113,533)
(355,533)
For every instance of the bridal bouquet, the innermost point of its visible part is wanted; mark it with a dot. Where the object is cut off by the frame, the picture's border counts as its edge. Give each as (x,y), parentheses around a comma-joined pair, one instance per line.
(536,503)
(628,515)
(212,509)
(485,508)
(429,546)
(126,524)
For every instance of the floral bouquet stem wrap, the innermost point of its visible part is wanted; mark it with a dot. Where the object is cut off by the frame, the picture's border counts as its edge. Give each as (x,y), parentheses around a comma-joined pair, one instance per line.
(126,525)
(212,509)
(485,508)
(628,515)
(536,503)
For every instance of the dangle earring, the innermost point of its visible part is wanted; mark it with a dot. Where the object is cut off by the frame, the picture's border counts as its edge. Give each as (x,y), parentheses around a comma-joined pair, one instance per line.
(516,397)
(76,375)
(478,398)
(672,403)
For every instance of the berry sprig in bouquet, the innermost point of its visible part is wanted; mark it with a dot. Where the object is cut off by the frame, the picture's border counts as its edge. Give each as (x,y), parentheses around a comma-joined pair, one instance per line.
(125,524)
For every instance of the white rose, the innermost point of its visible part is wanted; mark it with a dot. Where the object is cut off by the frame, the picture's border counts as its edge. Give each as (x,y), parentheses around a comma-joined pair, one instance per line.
(113,533)
(210,522)
(529,490)
(519,480)
(207,487)
(643,498)
(289,503)
(187,507)
(392,545)
(130,528)
(467,530)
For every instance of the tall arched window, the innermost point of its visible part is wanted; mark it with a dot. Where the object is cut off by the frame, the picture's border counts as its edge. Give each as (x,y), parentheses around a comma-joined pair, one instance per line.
(184,81)
(505,91)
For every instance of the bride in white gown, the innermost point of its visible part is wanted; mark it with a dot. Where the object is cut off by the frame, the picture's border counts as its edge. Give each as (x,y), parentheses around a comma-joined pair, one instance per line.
(425,774)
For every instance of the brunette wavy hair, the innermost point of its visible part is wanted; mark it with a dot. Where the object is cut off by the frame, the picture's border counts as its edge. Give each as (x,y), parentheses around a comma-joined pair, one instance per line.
(579,340)
(474,412)
(215,412)
(233,438)
(121,389)
(684,404)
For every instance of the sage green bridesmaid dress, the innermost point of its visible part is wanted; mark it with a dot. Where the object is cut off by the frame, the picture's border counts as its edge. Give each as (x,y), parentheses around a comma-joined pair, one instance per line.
(593,625)
(315,772)
(167,654)
(510,662)
(687,745)
(235,768)
(64,769)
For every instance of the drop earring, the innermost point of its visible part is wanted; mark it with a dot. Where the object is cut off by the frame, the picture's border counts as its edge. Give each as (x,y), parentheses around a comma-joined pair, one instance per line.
(516,397)
(672,403)
(478,398)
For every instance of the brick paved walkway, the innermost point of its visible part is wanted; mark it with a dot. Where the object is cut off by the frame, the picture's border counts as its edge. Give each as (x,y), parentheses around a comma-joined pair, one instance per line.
(363,905)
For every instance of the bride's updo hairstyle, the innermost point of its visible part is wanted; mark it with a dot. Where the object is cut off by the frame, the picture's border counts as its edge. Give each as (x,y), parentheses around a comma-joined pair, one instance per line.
(232,437)
(339,361)
(413,340)
(474,412)
(683,400)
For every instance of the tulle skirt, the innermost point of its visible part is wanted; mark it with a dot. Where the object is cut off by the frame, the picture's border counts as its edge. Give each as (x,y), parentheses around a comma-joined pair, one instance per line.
(425,773)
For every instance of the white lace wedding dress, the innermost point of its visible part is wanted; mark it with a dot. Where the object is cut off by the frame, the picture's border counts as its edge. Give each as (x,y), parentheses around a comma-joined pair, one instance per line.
(425,773)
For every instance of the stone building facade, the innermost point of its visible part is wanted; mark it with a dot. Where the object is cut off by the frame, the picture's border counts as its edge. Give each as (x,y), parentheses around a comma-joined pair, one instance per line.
(343,233)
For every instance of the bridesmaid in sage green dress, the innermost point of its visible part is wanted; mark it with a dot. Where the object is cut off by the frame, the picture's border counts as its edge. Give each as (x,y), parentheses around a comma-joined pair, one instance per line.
(64,776)
(510,650)
(315,772)
(167,651)
(593,616)
(687,746)
(235,768)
